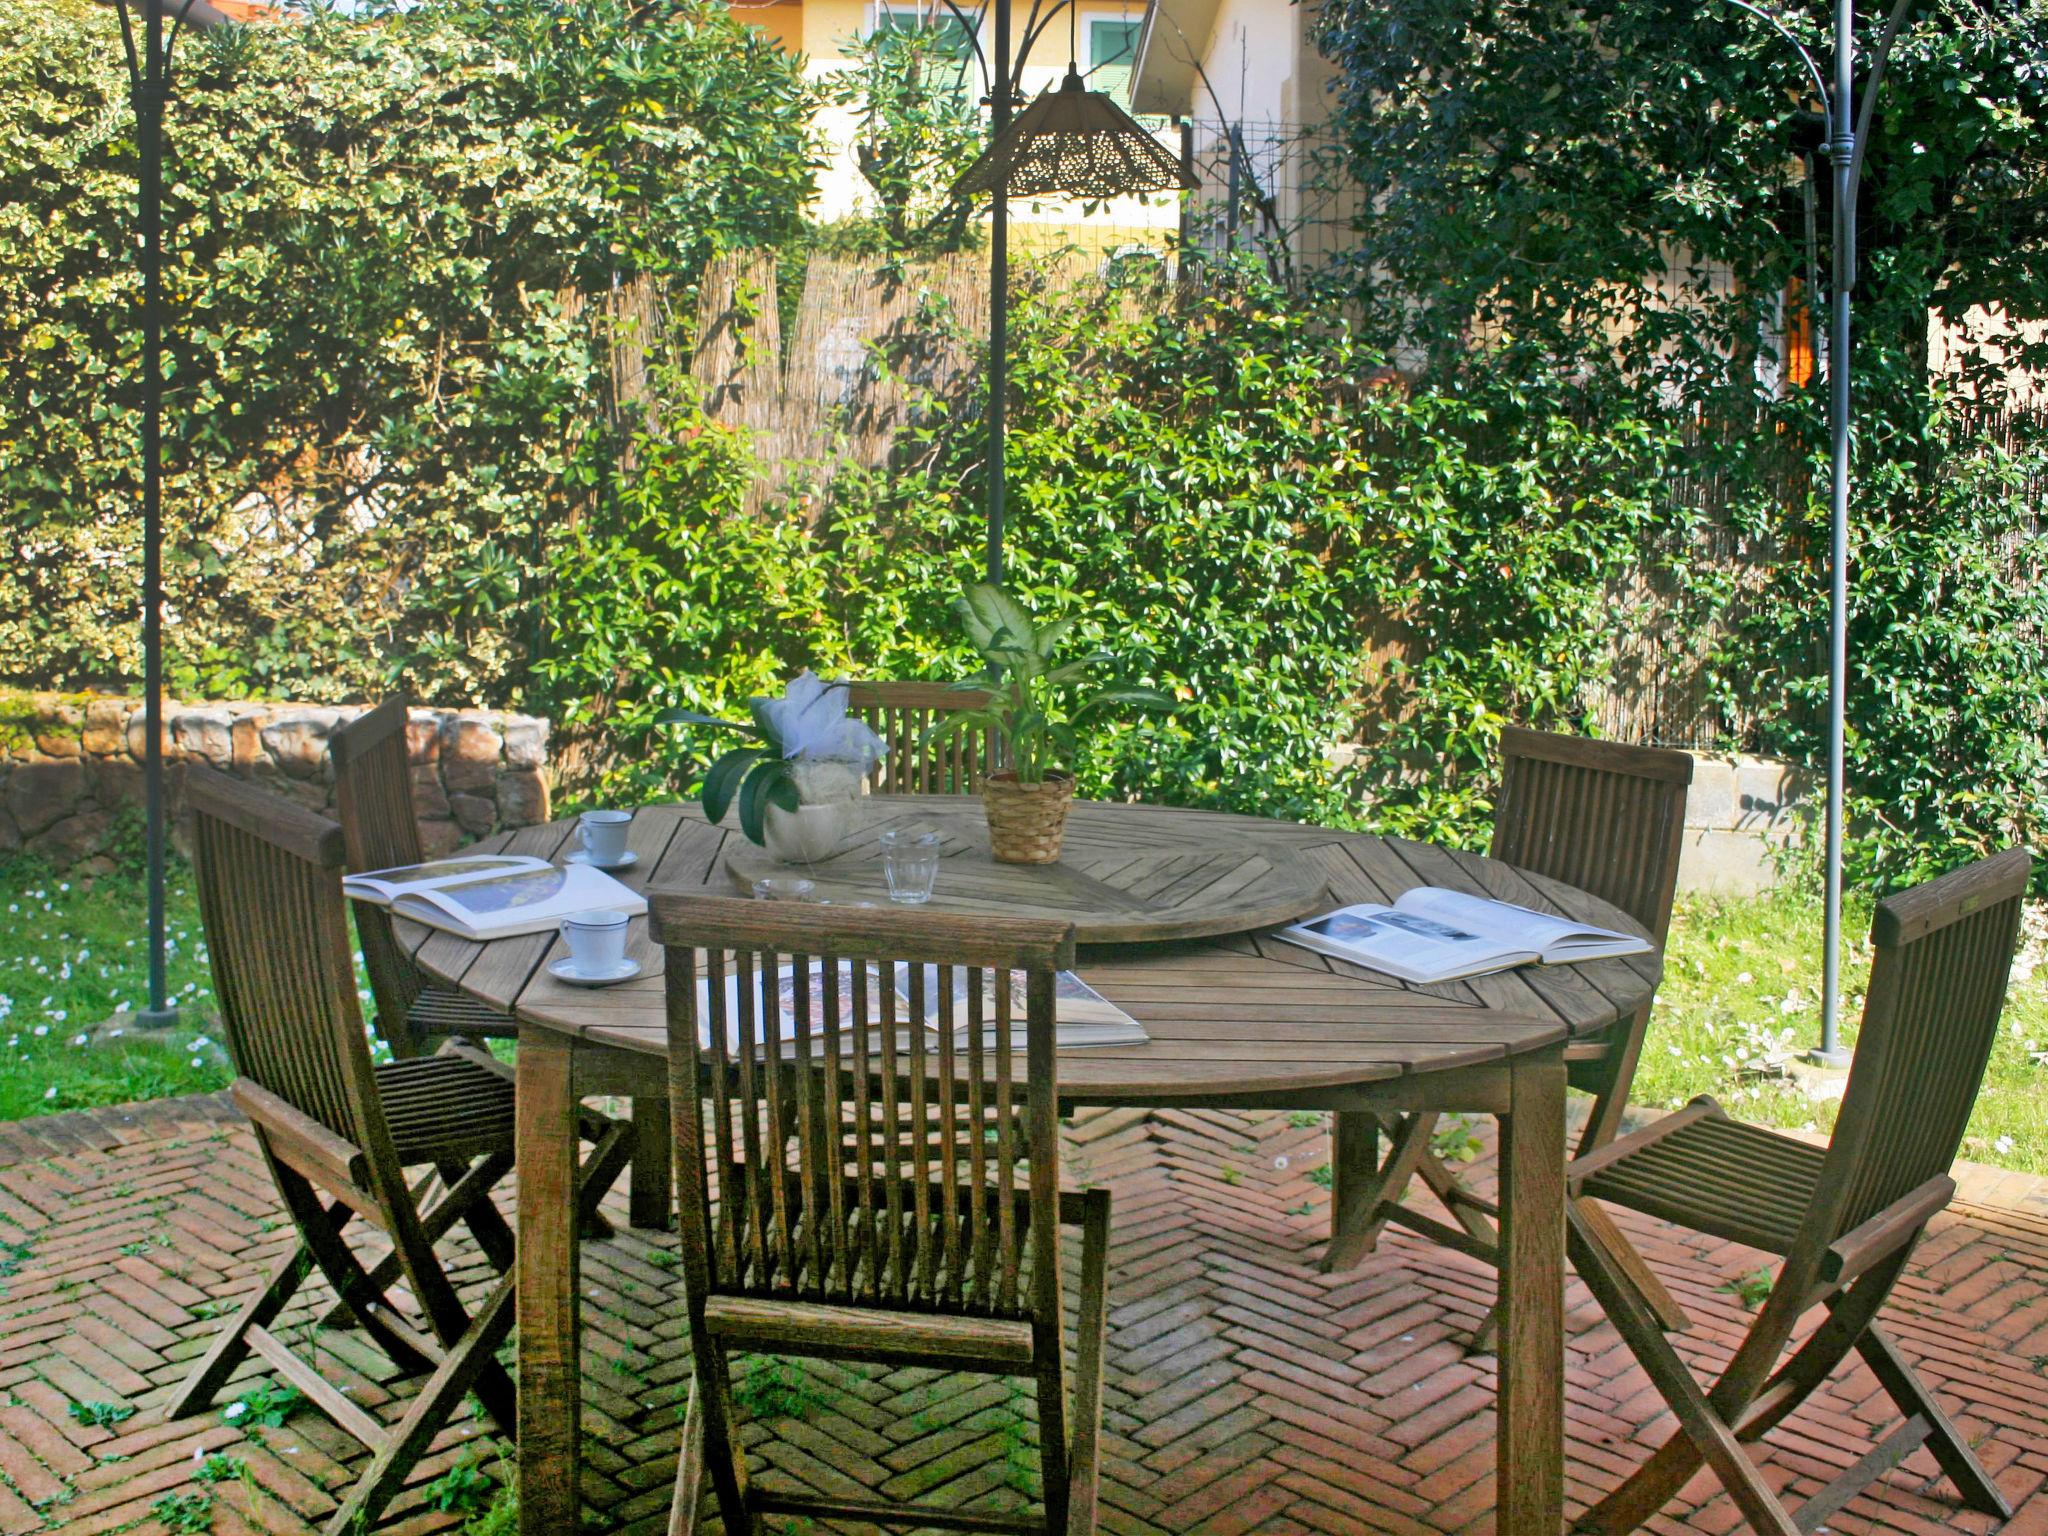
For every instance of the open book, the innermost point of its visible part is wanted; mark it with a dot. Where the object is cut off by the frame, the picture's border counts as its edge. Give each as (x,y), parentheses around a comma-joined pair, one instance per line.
(531,900)
(1084,1017)
(383,886)
(1430,934)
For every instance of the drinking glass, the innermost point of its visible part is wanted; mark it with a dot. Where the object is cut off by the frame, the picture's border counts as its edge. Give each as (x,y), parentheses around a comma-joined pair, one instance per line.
(910,861)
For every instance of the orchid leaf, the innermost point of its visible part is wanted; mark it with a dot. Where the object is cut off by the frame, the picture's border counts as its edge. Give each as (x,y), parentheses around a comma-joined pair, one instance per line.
(723,781)
(768,784)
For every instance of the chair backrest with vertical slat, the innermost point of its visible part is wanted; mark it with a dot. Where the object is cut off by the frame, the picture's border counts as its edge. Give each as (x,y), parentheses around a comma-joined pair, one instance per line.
(373,788)
(1604,816)
(901,714)
(373,797)
(875,1163)
(1942,956)
(269,879)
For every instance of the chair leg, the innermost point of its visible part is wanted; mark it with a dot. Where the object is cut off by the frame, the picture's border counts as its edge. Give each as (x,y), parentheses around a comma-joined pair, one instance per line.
(1055,1470)
(486,1223)
(1361,1186)
(231,1346)
(1670,1315)
(1083,1465)
(356,1293)
(1944,1440)
(688,1497)
(1711,1439)
(466,1363)
(651,1206)
(465,1197)
(719,1452)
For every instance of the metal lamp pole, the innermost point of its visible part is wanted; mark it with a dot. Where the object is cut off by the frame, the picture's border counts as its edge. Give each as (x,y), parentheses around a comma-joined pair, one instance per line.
(998,297)
(1841,160)
(149,82)
(1848,131)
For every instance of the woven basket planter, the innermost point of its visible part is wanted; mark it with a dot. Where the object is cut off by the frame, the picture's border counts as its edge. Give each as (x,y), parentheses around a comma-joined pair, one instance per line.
(1026,822)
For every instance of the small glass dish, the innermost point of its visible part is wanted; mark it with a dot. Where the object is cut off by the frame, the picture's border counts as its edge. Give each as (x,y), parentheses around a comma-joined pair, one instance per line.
(783,888)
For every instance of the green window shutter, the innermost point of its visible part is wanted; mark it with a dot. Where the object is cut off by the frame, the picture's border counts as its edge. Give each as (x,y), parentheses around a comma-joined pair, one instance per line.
(1112,53)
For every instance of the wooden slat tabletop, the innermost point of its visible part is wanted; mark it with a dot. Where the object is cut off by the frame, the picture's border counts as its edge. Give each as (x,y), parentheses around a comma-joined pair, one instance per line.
(1128,874)
(1238,1016)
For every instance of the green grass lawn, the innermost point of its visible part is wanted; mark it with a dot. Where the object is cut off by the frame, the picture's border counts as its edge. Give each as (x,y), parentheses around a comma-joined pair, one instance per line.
(1741,991)
(72,956)
(72,967)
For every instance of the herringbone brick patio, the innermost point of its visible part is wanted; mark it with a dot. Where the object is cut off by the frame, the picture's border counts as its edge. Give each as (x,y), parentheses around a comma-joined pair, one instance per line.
(1246,1391)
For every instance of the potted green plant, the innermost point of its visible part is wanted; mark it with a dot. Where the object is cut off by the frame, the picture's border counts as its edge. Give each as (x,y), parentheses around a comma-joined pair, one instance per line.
(796,788)
(1036,707)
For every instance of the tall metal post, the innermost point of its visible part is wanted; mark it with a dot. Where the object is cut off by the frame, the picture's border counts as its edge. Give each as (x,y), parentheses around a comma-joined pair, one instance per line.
(1842,157)
(151,87)
(998,294)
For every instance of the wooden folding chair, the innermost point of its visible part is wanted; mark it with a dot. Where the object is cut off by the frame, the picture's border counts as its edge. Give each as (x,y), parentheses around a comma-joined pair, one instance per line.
(855,1192)
(338,1134)
(1604,817)
(373,796)
(1845,1219)
(901,714)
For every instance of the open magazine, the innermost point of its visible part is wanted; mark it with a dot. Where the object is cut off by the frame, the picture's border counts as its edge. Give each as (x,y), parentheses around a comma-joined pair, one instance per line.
(522,901)
(1084,1017)
(383,886)
(1430,934)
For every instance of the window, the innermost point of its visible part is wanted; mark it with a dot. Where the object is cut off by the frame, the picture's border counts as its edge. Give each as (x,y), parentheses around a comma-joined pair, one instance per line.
(1112,54)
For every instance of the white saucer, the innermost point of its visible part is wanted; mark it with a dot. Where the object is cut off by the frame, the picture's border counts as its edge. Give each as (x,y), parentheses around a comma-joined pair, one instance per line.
(580,857)
(565,969)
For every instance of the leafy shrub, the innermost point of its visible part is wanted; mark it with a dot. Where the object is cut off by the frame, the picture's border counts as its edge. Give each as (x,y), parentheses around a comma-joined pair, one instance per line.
(1947,749)
(389,239)
(1615,191)
(1205,488)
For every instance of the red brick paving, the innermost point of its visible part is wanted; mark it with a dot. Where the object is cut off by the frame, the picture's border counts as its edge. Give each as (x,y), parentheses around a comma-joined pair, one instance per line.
(1247,1393)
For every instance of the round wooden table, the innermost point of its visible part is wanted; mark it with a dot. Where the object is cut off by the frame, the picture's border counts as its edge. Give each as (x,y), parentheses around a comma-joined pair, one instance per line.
(1244,1020)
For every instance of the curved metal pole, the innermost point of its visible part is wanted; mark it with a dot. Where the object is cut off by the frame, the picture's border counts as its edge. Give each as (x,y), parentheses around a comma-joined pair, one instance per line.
(973,31)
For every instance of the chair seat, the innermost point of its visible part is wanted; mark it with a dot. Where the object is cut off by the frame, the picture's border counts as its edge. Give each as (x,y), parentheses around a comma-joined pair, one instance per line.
(447,1106)
(1718,1176)
(442,1010)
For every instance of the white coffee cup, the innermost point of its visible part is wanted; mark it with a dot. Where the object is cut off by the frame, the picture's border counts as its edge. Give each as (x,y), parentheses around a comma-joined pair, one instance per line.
(603,835)
(596,940)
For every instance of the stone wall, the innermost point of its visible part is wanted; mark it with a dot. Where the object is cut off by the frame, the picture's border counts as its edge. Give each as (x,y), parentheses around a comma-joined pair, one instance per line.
(71,764)
(1739,813)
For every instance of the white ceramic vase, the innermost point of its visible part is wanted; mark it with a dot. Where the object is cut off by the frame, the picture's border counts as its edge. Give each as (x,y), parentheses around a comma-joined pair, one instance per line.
(807,834)
(827,790)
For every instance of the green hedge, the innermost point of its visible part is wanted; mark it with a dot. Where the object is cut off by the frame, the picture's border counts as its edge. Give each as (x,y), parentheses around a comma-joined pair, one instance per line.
(1204,484)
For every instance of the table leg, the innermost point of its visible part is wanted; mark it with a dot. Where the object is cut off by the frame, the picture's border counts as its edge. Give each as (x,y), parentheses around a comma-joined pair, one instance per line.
(1530,1474)
(650,1202)
(1355,1188)
(549,1377)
